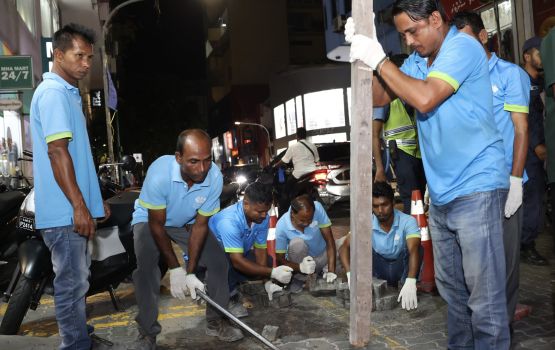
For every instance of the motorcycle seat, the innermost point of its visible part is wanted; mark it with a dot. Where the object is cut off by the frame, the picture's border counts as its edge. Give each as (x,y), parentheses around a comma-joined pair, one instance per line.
(10,201)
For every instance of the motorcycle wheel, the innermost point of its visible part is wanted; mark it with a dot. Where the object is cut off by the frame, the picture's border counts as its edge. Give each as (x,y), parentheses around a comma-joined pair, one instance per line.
(18,305)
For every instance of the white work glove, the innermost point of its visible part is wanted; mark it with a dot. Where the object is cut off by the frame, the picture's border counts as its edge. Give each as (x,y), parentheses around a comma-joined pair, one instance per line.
(271,288)
(349,279)
(308,265)
(363,48)
(193,283)
(282,273)
(408,295)
(330,277)
(177,282)
(514,199)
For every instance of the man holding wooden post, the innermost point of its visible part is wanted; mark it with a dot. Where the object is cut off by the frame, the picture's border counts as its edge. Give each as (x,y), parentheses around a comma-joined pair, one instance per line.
(463,158)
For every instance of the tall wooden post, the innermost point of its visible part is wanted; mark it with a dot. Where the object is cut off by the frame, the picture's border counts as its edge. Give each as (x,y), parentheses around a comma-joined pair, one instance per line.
(361,185)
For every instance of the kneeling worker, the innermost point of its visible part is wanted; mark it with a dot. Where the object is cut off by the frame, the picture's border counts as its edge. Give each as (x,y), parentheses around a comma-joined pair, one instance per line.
(395,245)
(304,233)
(239,228)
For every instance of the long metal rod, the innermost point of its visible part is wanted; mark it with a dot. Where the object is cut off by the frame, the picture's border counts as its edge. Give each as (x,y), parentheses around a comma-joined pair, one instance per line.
(236,320)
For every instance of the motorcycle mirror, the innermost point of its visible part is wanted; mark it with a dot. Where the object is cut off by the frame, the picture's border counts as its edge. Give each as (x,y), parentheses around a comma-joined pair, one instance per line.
(128,162)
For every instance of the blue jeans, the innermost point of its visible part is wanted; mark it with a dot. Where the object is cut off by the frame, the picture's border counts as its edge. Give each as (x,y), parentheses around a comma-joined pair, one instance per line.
(469,262)
(71,261)
(391,270)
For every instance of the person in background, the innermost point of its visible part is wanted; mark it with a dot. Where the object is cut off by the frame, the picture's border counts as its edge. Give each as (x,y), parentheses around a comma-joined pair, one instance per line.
(304,156)
(534,189)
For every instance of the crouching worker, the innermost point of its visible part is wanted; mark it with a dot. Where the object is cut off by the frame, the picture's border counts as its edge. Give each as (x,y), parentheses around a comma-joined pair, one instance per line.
(179,194)
(304,233)
(240,228)
(395,246)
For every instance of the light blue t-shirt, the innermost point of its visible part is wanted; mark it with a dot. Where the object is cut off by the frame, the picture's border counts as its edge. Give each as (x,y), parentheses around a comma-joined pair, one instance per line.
(391,244)
(285,232)
(510,85)
(164,188)
(462,150)
(231,229)
(56,113)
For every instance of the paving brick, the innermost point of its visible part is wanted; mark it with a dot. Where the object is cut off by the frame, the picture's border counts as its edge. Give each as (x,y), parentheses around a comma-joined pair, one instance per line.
(270,332)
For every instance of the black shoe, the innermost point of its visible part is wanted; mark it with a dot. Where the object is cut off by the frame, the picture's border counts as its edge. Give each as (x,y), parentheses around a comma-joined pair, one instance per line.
(531,256)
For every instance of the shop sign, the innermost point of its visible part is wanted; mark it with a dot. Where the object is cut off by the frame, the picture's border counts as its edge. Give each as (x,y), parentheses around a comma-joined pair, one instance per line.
(453,6)
(10,105)
(16,72)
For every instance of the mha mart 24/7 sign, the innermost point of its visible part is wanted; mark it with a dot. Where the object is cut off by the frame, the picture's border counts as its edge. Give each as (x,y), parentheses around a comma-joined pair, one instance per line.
(16,72)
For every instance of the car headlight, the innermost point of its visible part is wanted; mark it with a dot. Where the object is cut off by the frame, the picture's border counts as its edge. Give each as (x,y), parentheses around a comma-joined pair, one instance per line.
(241,179)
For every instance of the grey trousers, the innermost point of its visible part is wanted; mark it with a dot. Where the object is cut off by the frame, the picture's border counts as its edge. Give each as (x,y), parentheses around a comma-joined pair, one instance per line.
(512,232)
(147,275)
(298,250)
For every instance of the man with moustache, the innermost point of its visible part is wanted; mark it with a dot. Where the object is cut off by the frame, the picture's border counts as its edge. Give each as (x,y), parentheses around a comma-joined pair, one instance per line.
(464,161)
(180,193)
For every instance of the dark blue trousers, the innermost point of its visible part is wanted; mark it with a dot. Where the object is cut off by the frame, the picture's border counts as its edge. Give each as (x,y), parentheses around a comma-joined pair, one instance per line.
(410,176)
(533,209)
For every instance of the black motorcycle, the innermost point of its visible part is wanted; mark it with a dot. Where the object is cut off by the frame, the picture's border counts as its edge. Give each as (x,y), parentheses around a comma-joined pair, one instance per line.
(113,257)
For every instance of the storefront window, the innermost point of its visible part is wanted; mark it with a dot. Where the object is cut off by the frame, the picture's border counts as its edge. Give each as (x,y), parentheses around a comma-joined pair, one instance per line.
(324,109)
(10,142)
(299,108)
(328,138)
(46,18)
(26,9)
(279,121)
(505,25)
(291,112)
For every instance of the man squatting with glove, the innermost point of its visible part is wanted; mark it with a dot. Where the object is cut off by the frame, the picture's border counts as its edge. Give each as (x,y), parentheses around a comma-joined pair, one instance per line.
(179,194)
(304,233)
(446,79)
(241,227)
(395,245)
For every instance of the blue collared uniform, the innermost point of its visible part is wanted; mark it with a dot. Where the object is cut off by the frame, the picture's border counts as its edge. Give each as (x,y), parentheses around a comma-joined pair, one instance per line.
(285,232)
(164,188)
(510,86)
(56,113)
(231,229)
(391,244)
(462,149)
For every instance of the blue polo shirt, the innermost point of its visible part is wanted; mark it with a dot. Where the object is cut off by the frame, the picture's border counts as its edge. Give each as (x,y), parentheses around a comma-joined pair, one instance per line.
(285,232)
(164,188)
(462,150)
(510,85)
(231,229)
(56,113)
(391,244)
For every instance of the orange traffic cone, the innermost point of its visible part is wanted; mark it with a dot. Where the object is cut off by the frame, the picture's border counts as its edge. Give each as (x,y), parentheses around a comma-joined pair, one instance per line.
(427,276)
(271,240)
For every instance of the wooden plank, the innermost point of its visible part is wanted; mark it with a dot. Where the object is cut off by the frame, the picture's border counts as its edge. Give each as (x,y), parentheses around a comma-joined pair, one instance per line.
(361,186)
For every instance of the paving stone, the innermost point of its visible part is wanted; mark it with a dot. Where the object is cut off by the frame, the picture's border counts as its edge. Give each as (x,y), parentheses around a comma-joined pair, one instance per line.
(270,332)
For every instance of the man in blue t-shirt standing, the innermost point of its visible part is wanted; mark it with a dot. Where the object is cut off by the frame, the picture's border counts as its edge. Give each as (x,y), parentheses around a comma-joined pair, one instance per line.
(395,246)
(180,193)
(464,161)
(67,194)
(510,86)
(242,230)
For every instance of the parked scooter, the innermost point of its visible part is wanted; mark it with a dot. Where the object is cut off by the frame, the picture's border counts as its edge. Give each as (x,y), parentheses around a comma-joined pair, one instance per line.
(112,252)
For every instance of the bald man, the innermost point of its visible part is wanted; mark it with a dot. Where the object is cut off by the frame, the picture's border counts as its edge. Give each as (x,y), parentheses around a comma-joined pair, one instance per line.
(180,193)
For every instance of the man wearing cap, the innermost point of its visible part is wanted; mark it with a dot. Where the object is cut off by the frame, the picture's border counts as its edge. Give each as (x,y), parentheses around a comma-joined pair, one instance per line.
(446,79)
(534,188)
(510,86)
